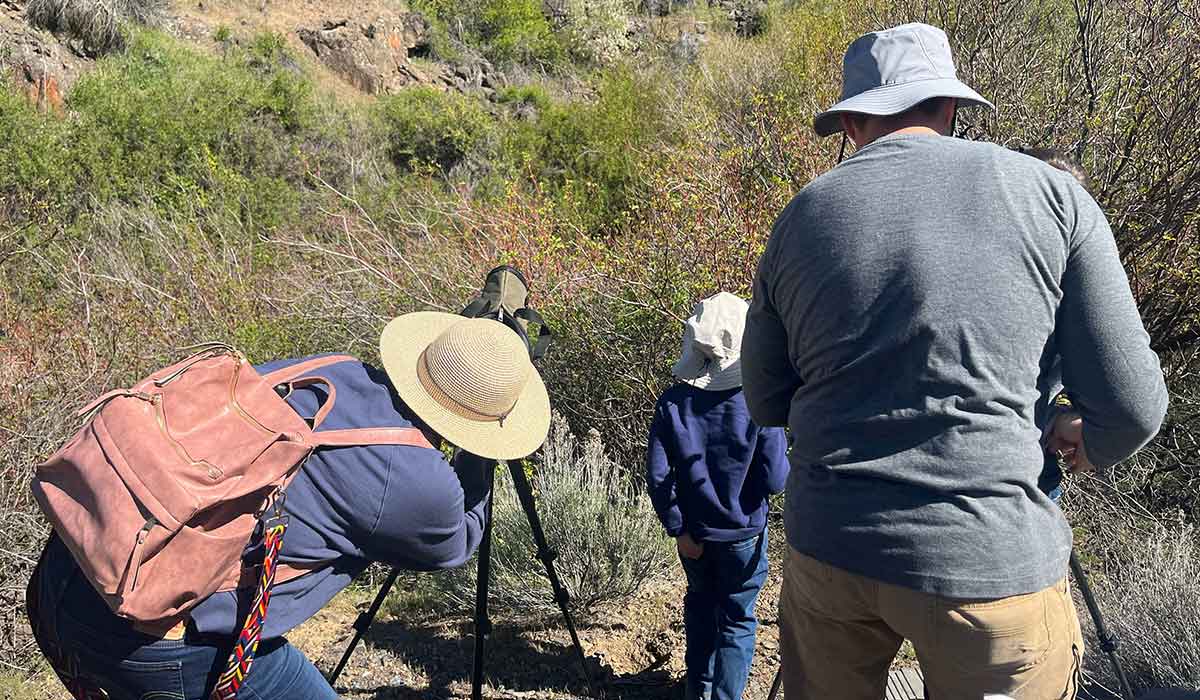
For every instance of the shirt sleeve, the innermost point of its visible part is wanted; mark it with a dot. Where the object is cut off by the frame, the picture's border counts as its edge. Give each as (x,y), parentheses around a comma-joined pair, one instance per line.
(768,377)
(432,515)
(770,456)
(1113,376)
(660,478)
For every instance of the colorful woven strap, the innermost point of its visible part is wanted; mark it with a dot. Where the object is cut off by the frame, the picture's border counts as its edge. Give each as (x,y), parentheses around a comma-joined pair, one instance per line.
(243,652)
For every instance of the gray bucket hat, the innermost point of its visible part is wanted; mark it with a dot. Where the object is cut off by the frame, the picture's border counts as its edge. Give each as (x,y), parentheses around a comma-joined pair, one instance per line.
(711,356)
(889,71)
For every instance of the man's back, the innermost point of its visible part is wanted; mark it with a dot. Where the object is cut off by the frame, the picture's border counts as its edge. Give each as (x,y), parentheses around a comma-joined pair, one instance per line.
(923,287)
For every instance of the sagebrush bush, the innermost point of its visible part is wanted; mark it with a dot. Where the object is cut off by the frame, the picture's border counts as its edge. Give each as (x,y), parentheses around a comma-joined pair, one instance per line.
(608,539)
(96,24)
(1147,585)
(597,31)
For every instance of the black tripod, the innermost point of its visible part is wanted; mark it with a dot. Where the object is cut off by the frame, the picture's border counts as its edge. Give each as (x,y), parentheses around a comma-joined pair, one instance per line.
(483,625)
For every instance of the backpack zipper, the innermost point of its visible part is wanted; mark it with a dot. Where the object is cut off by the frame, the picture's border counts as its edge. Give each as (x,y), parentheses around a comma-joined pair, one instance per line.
(135,557)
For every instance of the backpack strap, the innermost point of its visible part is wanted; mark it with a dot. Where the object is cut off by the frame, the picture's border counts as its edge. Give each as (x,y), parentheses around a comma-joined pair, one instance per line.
(290,372)
(327,405)
(370,436)
(246,645)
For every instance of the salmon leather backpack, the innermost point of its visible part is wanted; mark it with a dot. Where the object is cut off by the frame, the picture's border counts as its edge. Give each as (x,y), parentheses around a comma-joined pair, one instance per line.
(159,493)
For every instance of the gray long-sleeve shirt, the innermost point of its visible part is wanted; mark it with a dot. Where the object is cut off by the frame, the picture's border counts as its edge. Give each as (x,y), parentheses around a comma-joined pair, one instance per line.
(906,316)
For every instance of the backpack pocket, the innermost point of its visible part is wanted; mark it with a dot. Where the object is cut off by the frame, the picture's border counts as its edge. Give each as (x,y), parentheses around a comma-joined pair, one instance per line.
(102,511)
(187,569)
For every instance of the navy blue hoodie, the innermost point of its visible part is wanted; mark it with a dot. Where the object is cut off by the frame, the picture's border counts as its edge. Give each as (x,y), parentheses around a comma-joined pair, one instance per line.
(709,467)
(349,506)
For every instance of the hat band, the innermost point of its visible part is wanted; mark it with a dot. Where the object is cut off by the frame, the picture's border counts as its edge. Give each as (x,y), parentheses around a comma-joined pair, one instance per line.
(447,402)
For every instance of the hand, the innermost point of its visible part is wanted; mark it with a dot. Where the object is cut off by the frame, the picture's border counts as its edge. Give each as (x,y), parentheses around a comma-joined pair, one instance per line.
(688,547)
(1066,442)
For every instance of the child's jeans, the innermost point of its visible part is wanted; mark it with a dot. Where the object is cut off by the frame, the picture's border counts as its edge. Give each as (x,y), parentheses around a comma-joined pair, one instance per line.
(718,614)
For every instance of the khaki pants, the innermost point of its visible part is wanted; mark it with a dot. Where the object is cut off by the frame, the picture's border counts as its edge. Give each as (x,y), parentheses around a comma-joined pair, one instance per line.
(840,631)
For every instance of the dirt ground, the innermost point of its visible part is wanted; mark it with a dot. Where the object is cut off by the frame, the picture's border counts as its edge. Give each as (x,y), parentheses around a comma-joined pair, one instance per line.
(633,651)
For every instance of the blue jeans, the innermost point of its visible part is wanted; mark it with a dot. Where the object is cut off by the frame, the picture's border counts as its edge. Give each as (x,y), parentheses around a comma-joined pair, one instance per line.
(718,616)
(77,632)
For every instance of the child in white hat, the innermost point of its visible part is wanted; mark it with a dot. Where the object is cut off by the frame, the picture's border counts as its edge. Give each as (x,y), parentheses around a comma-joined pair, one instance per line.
(710,470)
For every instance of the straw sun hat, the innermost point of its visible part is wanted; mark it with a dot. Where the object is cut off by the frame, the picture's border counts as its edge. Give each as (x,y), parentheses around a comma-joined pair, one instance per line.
(470,380)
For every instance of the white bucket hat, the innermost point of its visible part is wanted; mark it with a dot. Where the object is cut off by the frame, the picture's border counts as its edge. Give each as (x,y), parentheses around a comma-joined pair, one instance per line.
(890,71)
(470,380)
(711,357)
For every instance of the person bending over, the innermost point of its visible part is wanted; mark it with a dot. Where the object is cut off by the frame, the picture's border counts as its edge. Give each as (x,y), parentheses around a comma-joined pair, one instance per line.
(466,381)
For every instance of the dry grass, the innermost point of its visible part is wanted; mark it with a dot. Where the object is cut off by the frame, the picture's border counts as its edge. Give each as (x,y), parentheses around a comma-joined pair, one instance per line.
(1148,591)
(96,24)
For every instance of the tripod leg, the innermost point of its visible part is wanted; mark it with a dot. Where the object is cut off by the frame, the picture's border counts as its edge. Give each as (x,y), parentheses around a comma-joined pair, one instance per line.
(363,622)
(776,685)
(1108,642)
(483,625)
(547,555)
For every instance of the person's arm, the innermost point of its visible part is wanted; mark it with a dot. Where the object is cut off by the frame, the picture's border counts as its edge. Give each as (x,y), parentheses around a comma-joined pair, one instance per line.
(1114,378)
(432,515)
(660,479)
(770,456)
(768,378)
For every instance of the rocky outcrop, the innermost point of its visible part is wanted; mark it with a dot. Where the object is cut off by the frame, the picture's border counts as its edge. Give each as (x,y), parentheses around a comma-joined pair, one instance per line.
(39,66)
(377,57)
(373,57)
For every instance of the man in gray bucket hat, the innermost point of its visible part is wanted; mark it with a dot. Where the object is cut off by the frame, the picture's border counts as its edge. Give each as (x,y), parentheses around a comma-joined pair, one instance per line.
(906,315)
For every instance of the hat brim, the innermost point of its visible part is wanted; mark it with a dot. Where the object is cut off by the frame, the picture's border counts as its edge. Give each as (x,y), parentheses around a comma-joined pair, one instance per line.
(894,99)
(522,431)
(712,377)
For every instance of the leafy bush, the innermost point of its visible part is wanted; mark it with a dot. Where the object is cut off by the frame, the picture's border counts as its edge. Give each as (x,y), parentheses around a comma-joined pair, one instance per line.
(96,24)
(589,152)
(505,31)
(516,30)
(188,131)
(34,172)
(429,129)
(597,31)
(608,539)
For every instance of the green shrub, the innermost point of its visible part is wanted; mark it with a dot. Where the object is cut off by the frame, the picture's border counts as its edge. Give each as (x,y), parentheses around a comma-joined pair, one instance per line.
(532,95)
(35,177)
(589,152)
(516,31)
(505,31)
(427,129)
(189,131)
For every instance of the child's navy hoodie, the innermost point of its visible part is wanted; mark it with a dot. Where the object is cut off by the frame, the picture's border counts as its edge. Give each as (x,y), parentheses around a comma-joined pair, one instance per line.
(709,467)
